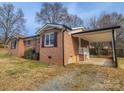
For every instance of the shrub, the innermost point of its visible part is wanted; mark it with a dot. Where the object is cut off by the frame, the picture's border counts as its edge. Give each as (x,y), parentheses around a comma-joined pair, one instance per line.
(1,45)
(31,54)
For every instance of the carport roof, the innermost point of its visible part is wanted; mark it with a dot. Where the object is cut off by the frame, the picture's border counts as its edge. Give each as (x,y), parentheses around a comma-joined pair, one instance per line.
(97,35)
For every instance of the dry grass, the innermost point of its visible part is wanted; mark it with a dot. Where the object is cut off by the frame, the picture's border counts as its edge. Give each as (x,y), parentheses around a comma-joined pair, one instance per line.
(87,77)
(91,77)
(21,74)
(121,63)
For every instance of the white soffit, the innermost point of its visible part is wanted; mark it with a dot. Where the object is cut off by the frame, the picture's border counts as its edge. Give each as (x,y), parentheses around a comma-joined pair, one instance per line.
(49,26)
(76,28)
(75,31)
(99,36)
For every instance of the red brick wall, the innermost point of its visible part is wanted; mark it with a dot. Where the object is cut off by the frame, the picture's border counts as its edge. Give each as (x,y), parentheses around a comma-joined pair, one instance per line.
(54,52)
(70,48)
(37,45)
(12,51)
(19,50)
(34,44)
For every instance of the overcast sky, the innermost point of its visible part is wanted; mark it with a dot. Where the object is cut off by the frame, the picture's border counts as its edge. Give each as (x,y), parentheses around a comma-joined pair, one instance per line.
(83,10)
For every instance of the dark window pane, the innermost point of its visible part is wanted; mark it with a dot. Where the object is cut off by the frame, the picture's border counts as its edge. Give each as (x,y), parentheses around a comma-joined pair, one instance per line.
(28,42)
(15,44)
(47,40)
(52,39)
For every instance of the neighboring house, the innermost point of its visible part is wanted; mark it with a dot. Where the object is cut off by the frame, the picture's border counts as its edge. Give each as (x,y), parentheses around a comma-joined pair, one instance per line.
(60,44)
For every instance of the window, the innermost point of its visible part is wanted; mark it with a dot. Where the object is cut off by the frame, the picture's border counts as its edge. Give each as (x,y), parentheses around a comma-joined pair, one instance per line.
(27,43)
(14,43)
(49,39)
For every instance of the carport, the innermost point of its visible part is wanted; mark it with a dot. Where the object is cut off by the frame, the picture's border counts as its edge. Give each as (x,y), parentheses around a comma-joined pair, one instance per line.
(100,35)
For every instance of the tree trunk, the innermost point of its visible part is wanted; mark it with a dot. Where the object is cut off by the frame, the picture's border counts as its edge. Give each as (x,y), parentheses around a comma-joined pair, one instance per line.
(5,38)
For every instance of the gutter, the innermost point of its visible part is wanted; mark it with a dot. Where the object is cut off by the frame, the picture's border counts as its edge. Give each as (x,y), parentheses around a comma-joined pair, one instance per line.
(97,30)
(30,37)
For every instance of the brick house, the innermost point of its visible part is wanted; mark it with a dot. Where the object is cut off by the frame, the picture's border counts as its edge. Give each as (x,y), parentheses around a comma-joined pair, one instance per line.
(17,45)
(60,44)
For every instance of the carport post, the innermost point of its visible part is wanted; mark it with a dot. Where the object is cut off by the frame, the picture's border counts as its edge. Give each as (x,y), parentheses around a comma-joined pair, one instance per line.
(114,47)
(79,41)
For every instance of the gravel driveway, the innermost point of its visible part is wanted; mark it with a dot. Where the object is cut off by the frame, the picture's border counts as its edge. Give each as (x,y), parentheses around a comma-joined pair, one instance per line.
(84,78)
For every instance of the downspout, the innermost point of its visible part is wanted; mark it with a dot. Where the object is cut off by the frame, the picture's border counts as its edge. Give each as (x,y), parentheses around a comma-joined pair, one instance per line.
(62,37)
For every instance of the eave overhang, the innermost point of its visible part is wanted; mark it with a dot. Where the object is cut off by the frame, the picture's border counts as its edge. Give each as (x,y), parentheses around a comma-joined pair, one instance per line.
(49,26)
(96,35)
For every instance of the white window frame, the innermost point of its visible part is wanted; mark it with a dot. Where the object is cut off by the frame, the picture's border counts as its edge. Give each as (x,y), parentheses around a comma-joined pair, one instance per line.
(49,36)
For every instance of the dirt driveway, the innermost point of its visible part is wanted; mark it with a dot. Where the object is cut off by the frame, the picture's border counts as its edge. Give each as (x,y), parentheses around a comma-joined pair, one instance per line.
(86,77)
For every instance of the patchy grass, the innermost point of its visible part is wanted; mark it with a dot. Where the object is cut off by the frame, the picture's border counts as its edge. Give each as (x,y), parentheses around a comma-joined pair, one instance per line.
(22,74)
(4,53)
(16,71)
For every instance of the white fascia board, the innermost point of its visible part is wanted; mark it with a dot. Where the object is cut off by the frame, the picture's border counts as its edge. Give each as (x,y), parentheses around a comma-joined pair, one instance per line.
(78,28)
(58,26)
(52,25)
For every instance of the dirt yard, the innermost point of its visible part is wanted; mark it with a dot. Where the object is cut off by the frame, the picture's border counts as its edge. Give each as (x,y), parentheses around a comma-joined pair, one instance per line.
(21,74)
(87,77)
(121,63)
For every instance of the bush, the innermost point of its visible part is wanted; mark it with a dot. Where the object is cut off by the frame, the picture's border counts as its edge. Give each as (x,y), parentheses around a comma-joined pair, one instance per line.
(1,45)
(31,54)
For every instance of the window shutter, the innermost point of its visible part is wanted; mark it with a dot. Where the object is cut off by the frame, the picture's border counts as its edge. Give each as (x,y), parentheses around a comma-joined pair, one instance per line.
(15,43)
(42,41)
(55,39)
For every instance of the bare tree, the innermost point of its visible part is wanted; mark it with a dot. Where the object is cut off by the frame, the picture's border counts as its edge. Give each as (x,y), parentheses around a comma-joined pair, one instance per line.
(107,20)
(98,46)
(11,21)
(58,14)
(73,21)
(51,13)
(93,23)
(113,19)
